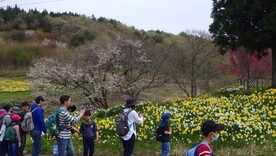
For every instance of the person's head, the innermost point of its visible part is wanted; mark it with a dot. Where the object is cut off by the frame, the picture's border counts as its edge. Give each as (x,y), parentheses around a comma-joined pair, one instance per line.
(71,108)
(65,100)
(166,117)
(211,130)
(15,110)
(87,115)
(7,107)
(40,100)
(130,103)
(25,106)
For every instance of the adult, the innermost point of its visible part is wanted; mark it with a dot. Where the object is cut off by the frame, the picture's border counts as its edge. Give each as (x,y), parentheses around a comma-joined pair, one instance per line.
(210,131)
(39,124)
(24,109)
(65,145)
(133,119)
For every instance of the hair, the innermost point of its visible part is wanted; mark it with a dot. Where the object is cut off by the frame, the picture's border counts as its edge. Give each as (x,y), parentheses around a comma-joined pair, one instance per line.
(25,103)
(37,100)
(7,107)
(132,107)
(64,98)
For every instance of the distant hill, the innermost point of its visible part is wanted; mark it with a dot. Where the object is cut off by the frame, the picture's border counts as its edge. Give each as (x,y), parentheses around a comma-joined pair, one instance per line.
(33,34)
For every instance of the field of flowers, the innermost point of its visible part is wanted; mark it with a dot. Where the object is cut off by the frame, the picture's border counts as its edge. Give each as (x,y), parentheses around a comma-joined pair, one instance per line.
(7,85)
(248,118)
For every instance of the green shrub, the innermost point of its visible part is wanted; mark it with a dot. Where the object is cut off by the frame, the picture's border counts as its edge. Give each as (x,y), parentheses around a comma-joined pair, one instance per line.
(19,36)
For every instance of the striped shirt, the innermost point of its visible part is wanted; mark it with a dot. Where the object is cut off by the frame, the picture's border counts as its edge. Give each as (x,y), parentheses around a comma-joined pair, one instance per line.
(65,120)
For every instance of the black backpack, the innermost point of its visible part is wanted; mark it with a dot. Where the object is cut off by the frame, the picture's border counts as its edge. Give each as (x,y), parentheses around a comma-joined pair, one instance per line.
(122,126)
(159,134)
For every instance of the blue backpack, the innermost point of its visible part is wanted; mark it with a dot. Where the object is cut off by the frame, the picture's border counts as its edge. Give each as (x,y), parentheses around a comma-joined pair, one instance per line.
(192,151)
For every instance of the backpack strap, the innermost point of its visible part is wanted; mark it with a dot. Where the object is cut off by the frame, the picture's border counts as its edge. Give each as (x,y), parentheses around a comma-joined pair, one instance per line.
(127,113)
(34,109)
(62,127)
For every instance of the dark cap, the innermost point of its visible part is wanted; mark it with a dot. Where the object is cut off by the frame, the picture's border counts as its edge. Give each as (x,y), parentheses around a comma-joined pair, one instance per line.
(15,109)
(87,112)
(210,126)
(130,102)
(39,98)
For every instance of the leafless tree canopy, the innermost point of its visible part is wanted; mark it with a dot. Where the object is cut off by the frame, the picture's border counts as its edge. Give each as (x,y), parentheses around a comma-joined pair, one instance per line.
(97,68)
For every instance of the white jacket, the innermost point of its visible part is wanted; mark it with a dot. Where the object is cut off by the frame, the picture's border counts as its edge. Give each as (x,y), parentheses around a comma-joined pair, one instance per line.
(133,119)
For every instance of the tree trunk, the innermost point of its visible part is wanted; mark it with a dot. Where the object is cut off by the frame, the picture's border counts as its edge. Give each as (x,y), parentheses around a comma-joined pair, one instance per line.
(273,84)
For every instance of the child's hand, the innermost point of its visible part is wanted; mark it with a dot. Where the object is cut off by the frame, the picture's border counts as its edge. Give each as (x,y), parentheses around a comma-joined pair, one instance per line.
(97,140)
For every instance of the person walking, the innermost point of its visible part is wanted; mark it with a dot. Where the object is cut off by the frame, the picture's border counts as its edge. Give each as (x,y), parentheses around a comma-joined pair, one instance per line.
(39,124)
(164,125)
(24,109)
(65,120)
(5,121)
(90,134)
(133,119)
(210,131)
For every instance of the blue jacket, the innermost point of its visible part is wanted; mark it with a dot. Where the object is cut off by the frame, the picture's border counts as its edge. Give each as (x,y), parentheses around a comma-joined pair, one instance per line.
(88,129)
(38,118)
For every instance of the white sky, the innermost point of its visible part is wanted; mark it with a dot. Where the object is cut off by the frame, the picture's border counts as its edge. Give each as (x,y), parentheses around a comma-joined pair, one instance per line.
(173,16)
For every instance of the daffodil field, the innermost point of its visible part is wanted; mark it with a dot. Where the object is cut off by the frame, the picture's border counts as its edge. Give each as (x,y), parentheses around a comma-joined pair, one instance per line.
(248,119)
(7,85)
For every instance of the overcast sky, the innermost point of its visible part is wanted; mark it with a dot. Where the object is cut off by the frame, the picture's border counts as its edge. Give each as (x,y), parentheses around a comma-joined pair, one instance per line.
(173,16)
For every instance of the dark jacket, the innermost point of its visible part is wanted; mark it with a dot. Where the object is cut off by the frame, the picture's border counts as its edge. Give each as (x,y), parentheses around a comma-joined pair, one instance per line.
(167,137)
(38,118)
(88,129)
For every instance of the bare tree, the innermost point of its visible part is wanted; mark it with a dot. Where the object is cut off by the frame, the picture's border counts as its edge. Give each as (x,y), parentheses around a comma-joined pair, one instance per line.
(86,71)
(97,68)
(193,61)
(141,66)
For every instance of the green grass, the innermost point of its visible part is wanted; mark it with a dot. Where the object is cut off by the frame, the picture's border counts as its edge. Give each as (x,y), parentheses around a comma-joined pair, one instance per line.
(14,96)
(14,74)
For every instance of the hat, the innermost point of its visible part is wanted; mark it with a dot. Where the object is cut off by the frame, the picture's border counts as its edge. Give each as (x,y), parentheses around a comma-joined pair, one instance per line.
(39,98)
(87,112)
(210,126)
(15,109)
(165,119)
(130,102)
(166,116)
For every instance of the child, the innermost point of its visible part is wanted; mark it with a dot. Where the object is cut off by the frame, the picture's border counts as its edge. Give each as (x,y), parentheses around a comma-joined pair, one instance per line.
(89,132)
(14,144)
(25,108)
(164,124)
(210,131)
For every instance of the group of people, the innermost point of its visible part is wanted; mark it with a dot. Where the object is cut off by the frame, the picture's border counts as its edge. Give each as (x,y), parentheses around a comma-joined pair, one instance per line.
(12,116)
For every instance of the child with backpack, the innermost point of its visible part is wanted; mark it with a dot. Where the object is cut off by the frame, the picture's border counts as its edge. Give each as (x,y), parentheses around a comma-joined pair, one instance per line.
(25,108)
(90,134)
(15,140)
(5,120)
(11,136)
(210,131)
(166,132)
